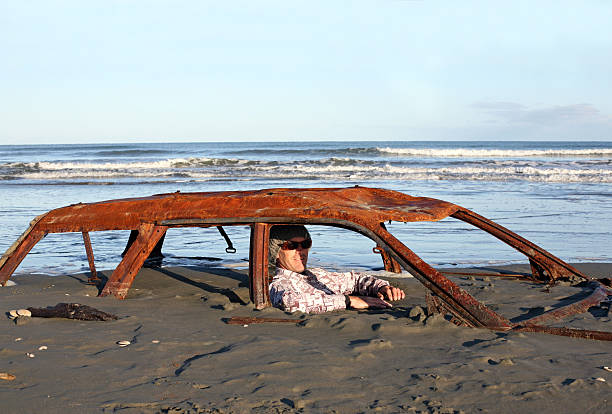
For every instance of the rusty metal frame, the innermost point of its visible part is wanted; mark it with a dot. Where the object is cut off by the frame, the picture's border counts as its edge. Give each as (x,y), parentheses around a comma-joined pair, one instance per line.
(544,266)
(93,278)
(258,265)
(360,209)
(121,279)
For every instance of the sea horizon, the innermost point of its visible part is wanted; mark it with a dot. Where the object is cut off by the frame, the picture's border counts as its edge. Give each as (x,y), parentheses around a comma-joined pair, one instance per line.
(556,193)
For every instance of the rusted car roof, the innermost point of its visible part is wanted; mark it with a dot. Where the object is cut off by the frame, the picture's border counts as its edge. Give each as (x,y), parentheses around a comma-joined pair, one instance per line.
(356,203)
(361,209)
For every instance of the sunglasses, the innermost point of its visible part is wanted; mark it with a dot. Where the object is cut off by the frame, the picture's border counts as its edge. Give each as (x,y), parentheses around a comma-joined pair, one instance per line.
(293,245)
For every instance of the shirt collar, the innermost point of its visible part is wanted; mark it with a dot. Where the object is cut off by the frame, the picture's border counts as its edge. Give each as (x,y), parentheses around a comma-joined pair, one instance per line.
(288,273)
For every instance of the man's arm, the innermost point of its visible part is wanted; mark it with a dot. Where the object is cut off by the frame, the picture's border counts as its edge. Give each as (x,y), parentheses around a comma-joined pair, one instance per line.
(365,302)
(289,297)
(366,285)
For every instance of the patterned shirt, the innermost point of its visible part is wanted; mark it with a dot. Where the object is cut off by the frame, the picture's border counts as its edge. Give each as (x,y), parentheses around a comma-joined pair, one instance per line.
(318,290)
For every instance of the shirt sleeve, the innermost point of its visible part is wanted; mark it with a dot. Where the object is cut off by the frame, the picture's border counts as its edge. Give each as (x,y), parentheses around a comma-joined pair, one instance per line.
(365,285)
(305,298)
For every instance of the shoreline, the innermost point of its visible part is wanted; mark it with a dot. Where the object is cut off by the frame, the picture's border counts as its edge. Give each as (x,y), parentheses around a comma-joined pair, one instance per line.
(184,357)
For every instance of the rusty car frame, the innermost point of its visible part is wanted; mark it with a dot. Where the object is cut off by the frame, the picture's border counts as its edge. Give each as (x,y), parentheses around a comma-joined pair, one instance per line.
(360,209)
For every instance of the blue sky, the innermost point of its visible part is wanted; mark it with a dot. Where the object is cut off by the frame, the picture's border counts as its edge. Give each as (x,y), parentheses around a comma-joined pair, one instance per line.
(131,70)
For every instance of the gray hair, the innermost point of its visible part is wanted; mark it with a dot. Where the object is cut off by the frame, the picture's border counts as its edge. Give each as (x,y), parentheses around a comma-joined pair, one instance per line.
(280,234)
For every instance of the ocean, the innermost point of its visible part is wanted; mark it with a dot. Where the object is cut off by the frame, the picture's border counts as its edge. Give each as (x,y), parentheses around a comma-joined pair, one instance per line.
(556,194)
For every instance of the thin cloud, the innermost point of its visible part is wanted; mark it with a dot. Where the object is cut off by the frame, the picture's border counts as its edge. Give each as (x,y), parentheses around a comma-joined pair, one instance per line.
(498,106)
(515,113)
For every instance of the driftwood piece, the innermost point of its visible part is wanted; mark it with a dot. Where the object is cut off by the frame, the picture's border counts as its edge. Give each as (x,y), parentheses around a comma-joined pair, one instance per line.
(72,311)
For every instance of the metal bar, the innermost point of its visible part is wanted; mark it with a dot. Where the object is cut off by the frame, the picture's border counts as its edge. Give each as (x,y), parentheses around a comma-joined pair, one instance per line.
(390,264)
(461,303)
(21,238)
(510,275)
(573,333)
(258,265)
(230,247)
(90,258)
(17,253)
(120,281)
(156,253)
(599,294)
(555,266)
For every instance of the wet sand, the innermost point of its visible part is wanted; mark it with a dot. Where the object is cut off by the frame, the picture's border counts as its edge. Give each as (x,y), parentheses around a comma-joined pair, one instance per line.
(184,358)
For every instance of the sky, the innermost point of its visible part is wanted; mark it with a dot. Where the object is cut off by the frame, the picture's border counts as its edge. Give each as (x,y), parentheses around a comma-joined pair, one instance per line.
(103,71)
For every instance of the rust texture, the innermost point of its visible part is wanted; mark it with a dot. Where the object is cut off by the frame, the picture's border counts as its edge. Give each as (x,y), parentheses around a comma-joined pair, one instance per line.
(93,278)
(435,305)
(123,276)
(573,333)
(598,295)
(463,306)
(375,205)
(258,265)
(364,210)
(391,265)
(481,274)
(545,266)
(17,252)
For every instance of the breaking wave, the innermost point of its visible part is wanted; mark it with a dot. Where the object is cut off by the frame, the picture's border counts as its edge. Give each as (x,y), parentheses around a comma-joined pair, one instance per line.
(495,153)
(334,168)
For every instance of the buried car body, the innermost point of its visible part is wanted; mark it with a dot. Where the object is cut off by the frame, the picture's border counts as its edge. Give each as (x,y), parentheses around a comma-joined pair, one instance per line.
(360,209)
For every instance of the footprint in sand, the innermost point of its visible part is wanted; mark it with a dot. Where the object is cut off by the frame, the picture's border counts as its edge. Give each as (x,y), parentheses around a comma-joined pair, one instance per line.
(371,345)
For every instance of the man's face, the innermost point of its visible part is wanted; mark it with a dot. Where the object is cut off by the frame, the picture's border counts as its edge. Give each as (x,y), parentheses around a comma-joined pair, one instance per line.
(294,260)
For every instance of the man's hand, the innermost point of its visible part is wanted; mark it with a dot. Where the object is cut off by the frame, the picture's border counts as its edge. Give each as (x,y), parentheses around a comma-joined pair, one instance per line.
(365,302)
(391,293)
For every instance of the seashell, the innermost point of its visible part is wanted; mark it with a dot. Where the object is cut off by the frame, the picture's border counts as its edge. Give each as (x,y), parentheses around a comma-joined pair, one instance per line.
(18,339)
(6,376)
(24,312)
(600,379)
(123,343)
(607,369)
(13,314)
(30,355)
(42,348)
(155,341)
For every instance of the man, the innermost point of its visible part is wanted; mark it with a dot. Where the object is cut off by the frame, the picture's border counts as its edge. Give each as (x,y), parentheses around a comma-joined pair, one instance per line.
(294,287)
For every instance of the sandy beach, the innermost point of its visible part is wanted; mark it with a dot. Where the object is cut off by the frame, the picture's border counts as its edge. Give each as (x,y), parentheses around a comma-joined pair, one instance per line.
(471,140)
(184,358)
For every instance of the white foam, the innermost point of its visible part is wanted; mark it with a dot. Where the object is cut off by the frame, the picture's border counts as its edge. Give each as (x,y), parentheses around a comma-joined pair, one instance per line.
(180,169)
(342,172)
(458,173)
(107,165)
(485,153)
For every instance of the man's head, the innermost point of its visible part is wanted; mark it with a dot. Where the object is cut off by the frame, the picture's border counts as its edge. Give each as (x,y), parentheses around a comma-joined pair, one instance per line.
(289,246)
